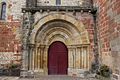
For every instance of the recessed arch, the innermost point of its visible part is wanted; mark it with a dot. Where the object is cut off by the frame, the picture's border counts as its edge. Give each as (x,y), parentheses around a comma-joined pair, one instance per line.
(55,31)
(57,23)
(57,37)
(62,28)
(53,28)
(59,16)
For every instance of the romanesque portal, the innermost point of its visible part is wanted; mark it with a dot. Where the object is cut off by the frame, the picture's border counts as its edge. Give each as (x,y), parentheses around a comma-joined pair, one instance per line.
(73,45)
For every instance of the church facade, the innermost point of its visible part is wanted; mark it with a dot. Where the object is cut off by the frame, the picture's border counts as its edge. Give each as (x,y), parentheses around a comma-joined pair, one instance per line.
(59,36)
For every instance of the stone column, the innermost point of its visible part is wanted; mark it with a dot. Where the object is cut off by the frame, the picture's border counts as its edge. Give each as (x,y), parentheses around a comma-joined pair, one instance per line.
(95,63)
(30,59)
(73,52)
(41,57)
(82,56)
(33,57)
(85,58)
(73,55)
(88,60)
(78,55)
(37,57)
(25,48)
(39,53)
(28,20)
(45,60)
(70,58)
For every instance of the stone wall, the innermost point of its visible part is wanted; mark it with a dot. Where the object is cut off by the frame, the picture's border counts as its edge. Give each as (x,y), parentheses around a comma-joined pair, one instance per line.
(11,27)
(109,32)
(47,25)
(64,2)
(10,32)
(108,24)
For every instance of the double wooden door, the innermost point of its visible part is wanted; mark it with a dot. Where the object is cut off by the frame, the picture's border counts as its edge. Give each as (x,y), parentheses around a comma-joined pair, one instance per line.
(57,59)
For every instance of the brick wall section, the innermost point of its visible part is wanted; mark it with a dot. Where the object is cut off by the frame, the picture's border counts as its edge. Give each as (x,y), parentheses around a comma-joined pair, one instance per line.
(10,42)
(10,32)
(109,32)
(8,36)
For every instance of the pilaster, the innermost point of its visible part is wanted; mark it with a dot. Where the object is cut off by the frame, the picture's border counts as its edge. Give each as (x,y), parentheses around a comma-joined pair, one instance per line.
(26,31)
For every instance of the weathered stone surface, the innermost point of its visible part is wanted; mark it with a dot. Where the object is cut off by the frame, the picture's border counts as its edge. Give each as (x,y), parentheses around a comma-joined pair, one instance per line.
(109,33)
(108,25)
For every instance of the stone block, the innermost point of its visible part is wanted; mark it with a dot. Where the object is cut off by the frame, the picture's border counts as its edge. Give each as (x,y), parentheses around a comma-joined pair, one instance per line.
(115,77)
(76,72)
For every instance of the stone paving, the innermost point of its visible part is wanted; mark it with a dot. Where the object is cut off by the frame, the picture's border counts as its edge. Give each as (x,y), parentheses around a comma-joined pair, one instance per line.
(8,78)
(60,77)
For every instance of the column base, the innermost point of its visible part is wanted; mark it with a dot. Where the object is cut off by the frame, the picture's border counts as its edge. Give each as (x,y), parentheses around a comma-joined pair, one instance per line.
(32,73)
(24,73)
(77,72)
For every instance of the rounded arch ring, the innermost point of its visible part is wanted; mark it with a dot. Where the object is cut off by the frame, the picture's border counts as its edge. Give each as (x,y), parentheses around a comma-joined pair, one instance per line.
(60,16)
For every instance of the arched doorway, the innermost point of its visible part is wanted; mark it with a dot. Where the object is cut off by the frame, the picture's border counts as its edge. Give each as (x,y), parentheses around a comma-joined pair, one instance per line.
(47,33)
(57,58)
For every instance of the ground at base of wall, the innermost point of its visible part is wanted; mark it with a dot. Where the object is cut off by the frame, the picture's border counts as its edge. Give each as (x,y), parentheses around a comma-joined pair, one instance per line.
(51,77)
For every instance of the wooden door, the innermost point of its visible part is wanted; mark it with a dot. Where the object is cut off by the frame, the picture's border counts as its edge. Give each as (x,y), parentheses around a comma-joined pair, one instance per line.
(57,58)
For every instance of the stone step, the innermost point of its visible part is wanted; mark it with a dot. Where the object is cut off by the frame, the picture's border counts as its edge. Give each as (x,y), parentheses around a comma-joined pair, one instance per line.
(57,77)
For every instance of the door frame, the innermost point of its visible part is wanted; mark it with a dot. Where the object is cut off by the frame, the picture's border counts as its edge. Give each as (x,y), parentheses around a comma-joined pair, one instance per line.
(65,59)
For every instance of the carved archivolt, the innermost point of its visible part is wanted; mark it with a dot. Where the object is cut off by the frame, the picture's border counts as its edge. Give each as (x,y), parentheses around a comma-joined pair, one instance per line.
(59,27)
(64,28)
